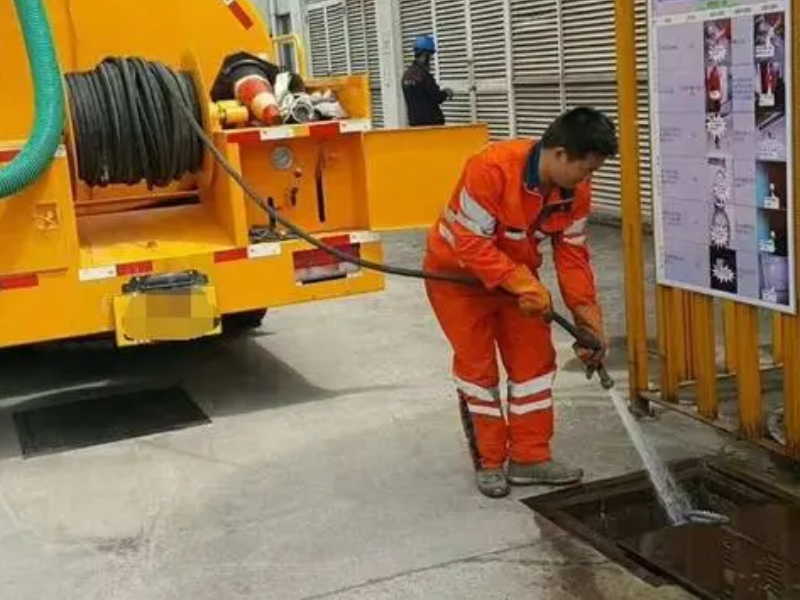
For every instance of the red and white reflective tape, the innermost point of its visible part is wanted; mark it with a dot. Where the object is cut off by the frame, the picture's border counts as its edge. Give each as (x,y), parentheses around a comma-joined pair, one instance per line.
(16,282)
(364,237)
(251,252)
(314,130)
(263,250)
(275,133)
(355,125)
(239,13)
(110,271)
(9,154)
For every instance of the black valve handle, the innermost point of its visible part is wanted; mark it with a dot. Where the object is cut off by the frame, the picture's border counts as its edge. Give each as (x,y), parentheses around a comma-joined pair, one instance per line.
(586,339)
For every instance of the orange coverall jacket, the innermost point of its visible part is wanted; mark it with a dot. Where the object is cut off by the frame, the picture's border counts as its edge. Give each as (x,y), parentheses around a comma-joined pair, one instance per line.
(497,218)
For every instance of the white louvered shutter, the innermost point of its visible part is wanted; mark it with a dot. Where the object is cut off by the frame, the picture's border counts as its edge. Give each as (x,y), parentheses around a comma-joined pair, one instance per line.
(451,36)
(645,164)
(318,41)
(357,36)
(343,39)
(562,55)
(336,16)
(590,78)
(488,37)
(416,18)
(373,62)
(588,34)
(535,42)
(605,182)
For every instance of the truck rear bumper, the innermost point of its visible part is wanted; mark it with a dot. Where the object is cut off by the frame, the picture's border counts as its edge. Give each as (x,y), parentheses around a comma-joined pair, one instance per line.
(78,302)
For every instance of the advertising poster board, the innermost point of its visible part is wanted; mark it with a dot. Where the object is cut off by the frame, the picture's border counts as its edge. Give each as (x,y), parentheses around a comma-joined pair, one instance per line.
(721,114)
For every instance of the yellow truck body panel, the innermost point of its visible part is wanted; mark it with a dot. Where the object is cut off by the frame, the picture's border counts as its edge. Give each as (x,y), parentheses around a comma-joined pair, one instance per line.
(70,250)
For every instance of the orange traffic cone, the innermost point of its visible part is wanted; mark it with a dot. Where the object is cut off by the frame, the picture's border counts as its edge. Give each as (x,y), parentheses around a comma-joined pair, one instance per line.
(255,92)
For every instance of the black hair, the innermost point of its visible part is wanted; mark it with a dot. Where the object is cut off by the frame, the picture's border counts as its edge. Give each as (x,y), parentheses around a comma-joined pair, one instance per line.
(582,131)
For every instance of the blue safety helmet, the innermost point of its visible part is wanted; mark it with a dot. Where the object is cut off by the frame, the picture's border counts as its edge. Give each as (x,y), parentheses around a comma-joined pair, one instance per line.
(425,43)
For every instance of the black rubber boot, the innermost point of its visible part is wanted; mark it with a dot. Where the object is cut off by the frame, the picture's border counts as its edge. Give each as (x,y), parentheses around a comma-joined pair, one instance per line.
(492,483)
(543,473)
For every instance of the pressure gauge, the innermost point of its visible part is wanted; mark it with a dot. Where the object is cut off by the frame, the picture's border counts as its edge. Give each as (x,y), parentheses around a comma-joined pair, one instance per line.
(282,158)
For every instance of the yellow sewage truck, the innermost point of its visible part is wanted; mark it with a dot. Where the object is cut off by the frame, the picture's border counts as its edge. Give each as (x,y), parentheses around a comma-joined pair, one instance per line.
(114,219)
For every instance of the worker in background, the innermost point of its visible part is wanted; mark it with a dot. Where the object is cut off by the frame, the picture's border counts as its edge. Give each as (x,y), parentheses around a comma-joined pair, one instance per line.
(513,198)
(422,93)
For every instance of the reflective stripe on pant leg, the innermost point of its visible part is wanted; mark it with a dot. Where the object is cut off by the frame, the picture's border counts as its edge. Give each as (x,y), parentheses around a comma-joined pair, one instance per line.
(527,349)
(469,319)
(530,416)
(485,426)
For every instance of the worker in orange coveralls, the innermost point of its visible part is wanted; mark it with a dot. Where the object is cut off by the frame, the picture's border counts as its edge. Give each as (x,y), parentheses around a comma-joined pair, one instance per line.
(512,198)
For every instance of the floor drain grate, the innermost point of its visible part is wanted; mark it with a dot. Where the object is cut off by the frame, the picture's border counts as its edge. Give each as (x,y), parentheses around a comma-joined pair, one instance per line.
(104,419)
(754,557)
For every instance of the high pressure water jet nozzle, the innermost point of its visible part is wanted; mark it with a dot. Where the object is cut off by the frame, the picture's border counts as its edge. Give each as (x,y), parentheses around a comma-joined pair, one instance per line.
(606,381)
(586,339)
(706,517)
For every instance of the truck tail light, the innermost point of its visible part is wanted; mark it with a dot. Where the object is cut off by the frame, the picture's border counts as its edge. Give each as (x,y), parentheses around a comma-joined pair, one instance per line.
(314,266)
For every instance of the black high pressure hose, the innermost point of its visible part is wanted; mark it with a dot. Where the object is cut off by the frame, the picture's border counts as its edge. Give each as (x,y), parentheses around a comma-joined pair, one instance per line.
(126,115)
(299,231)
(582,337)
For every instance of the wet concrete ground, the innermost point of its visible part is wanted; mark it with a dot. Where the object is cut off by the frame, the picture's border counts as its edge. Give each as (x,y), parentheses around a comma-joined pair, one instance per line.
(334,467)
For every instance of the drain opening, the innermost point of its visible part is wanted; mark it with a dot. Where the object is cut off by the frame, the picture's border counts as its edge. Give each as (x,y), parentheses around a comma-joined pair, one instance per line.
(103,419)
(754,557)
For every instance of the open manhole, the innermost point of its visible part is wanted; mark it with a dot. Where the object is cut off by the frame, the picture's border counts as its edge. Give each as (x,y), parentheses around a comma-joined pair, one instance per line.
(104,418)
(754,557)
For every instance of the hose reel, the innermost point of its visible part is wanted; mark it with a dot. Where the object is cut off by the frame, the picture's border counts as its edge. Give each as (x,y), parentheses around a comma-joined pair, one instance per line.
(127,126)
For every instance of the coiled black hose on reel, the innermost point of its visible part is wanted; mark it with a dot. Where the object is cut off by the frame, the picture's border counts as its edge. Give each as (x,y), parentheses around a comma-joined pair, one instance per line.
(138,120)
(128,128)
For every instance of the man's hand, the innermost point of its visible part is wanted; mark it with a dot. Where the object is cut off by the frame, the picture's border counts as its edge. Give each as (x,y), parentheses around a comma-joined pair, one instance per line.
(533,297)
(448,93)
(589,318)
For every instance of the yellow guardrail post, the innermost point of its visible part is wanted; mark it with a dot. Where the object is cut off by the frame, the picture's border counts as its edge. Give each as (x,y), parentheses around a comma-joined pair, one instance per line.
(627,87)
(748,372)
(689,328)
(705,355)
(777,338)
(729,327)
(669,305)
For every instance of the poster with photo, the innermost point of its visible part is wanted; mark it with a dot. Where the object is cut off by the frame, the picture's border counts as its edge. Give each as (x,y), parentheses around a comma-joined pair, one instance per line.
(770,85)
(718,82)
(723,197)
(720,189)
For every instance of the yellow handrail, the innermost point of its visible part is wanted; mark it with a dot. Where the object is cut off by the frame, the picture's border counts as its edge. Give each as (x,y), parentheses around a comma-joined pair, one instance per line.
(296,42)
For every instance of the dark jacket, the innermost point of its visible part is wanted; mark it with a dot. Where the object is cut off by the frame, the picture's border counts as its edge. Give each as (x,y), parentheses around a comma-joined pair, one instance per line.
(423,97)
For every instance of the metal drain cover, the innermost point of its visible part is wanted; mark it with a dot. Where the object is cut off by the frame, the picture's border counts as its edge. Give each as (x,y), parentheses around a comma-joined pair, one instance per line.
(755,557)
(104,419)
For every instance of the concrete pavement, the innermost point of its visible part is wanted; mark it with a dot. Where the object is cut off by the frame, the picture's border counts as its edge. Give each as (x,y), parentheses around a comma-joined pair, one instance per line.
(334,467)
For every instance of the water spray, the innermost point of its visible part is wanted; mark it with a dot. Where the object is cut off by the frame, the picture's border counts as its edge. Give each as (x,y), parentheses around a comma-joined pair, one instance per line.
(672,497)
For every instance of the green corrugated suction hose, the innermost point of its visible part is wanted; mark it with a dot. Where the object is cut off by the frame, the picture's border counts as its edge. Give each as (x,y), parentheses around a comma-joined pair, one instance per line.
(49,123)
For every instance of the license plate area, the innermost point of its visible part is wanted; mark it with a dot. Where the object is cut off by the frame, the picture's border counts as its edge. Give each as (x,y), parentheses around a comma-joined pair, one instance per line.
(166,307)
